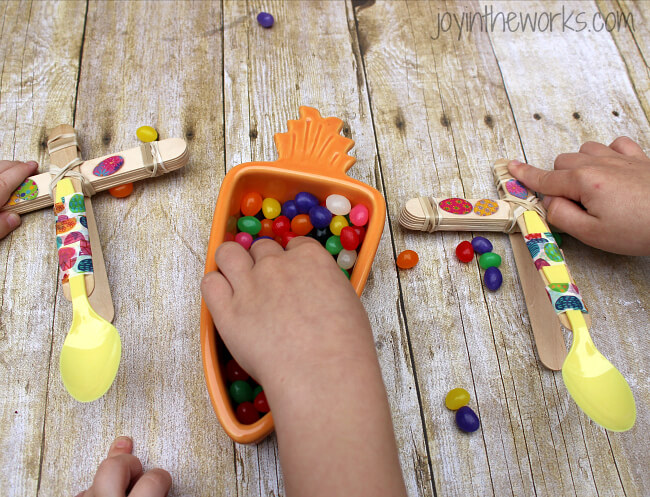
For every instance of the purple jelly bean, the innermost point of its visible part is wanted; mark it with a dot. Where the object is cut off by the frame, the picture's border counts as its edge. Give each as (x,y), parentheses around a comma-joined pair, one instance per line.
(481,245)
(289,209)
(320,216)
(305,201)
(467,420)
(265,19)
(493,278)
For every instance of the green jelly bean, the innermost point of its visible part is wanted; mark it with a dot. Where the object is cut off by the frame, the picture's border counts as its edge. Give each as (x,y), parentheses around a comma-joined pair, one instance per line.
(345,272)
(257,390)
(489,259)
(240,391)
(333,244)
(558,238)
(249,224)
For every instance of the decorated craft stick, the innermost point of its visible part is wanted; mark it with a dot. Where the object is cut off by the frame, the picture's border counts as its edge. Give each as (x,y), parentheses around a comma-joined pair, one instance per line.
(147,160)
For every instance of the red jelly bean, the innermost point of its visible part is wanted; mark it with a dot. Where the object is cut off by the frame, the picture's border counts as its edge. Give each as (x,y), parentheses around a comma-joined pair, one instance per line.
(407,259)
(246,413)
(349,238)
(287,237)
(229,237)
(281,225)
(465,251)
(301,225)
(260,403)
(267,228)
(235,372)
(251,203)
(361,232)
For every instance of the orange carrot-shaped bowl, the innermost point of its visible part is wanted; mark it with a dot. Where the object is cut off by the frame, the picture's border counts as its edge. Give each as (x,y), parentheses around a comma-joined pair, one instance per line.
(312,158)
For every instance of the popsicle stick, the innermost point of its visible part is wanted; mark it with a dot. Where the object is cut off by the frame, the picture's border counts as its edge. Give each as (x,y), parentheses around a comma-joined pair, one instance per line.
(97,288)
(138,164)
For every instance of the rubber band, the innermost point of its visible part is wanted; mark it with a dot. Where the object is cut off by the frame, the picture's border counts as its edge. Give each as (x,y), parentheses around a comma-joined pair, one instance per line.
(519,205)
(152,158)
(61,142)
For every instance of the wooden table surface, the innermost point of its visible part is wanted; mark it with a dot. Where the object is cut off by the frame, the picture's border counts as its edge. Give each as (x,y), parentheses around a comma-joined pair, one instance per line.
(429,109)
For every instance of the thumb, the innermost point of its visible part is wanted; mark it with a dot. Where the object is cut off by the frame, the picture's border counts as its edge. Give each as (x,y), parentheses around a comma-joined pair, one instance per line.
(121,445)
(567,216)
(9,221)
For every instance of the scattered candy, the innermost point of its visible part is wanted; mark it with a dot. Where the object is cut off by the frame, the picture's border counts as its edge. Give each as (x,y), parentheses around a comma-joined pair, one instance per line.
(465,251)
(457,398)
(407,259)
(493,278)
(251,203)
(246,413)
(240,391)
(121,191)
(244,239)
(481,245)
(489,259)
(467,420)
(346,258)
(265,19)
(349,238)
(338,205)
(337,224)
(271,208)
(359,215)
(249,224)
(146,134)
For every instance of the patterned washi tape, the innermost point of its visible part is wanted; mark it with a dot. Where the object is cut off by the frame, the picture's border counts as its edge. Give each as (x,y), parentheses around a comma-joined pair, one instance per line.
(73,242)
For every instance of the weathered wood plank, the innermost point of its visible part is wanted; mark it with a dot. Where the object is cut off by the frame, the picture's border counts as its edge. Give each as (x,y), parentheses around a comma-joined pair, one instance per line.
(157,64)
(39,53)
(266,79)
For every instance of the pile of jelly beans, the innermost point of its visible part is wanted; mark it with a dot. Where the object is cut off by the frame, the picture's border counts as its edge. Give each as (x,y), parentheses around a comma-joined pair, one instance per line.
(488,260)
(338,225)
(466,419)
(248,397)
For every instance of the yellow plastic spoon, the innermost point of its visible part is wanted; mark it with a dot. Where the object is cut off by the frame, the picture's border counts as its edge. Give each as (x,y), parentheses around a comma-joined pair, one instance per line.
(91,352)
(597,387)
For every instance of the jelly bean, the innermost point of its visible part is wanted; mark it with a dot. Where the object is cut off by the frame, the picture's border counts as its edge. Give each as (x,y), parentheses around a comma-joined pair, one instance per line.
(244,239)
(235,372)
(349,238)
(305,201)
(265,19)
(337,224)
(558,238)
(261,238)
(260,403)
(333,245)
(281,225)
(457,398)
(259,216)
(493,278)
(251,203)
(240,391)
(257,390)
(345,272)
(229,237)
(489,259)
(301,225)
(249,224)
(361,232)
(338,205)
(289,209)
(359,215)
(407,259)
(320,217)
(287,237)
(121,191)
(321,235)
(467,420)
(465,251)
(246,413)
(146,134)
(271,208)
(481,245)
(267,228)
(346,258)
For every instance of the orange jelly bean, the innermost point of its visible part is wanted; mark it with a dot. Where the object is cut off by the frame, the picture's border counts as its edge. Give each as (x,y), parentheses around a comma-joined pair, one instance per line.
(267,228)
(407,259)
(301,225)
(121,191)
(251,203)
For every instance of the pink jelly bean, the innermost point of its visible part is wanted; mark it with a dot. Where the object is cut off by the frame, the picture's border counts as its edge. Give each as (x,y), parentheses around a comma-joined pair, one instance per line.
(244,239)
(359,215)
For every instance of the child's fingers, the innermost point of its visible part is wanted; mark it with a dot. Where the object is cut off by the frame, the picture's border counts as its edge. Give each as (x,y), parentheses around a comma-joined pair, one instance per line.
(9,221)
(264,248)
(596,149)
(233,261)
(12,177)
(567,216)
(121,445)
(216,291)
(564,162)
(626,146)
(6,164)
(558,183)
(115,474)
(294,243)
(154,483)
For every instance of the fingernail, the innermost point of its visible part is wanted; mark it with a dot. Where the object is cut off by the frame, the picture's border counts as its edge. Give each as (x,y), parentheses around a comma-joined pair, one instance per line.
(514,162)
(122,442)
(32,163)
(13,220)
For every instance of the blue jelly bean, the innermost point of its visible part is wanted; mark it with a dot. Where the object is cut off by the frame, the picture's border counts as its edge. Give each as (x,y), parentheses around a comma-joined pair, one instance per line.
(265,19)
(319,216)
(493,278)
(289,209)
(305,201)
(467,420)
(481,245)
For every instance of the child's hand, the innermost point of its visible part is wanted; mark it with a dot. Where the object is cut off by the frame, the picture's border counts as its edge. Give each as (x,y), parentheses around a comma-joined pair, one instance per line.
(12,174)
(611,183)
(294,322)
(121,473)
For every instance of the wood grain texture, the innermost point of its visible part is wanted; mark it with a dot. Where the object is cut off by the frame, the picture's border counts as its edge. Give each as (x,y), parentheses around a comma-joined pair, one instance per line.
(429,113)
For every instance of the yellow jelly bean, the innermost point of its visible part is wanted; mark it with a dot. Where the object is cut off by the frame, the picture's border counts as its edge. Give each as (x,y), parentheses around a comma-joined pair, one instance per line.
(147,134)
(457,398)
(337,224)
(271,208)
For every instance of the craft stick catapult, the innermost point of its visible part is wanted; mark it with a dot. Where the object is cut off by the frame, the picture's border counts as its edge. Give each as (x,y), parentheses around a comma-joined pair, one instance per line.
(68,186)
(551,294)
